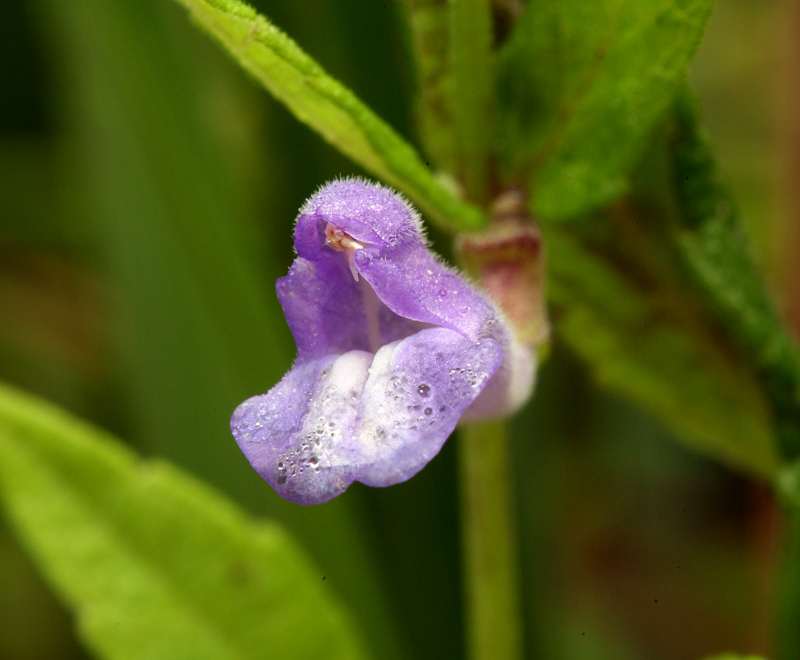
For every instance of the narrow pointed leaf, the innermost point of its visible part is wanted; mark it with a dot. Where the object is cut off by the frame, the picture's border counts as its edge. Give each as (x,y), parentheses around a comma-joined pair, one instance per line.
(716,252)
(156,564)
(328,107)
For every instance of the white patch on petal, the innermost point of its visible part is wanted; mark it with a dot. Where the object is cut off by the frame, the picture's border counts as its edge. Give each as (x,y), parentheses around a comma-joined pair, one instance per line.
(384,393)
(328,425)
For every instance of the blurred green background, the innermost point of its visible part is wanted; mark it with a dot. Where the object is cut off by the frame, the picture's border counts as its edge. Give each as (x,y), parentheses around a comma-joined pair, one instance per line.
(147,195)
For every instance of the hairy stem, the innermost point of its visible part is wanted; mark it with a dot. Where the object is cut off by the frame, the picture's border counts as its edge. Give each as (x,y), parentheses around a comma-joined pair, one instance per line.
(491,576)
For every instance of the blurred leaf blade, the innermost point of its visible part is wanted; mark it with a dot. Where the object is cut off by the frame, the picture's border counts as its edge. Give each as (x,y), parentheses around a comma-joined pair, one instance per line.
(665,360)
(328,107)
(156,564)
(608,72)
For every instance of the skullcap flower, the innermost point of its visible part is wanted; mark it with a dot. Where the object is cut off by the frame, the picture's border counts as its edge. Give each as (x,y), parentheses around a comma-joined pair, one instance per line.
(393,348)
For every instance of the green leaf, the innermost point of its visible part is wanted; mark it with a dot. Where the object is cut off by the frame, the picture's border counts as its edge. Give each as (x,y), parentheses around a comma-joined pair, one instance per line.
(472,94)
(328,107)
(660,294)
(156,564)
(582,83)
(716,252)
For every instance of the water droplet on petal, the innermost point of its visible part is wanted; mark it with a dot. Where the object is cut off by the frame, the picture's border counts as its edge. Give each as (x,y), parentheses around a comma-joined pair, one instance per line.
(424,389)
(428,411)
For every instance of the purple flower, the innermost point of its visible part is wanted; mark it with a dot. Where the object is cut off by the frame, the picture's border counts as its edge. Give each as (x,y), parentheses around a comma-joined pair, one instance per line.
(393,348)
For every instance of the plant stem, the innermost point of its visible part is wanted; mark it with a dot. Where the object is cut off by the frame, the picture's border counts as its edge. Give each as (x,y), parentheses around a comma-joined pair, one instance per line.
(787,640)
(494,621)
(471,22)
(788,632)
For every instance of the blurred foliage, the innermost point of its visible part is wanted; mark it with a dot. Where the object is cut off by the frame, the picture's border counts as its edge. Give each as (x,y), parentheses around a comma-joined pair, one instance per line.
(147,192)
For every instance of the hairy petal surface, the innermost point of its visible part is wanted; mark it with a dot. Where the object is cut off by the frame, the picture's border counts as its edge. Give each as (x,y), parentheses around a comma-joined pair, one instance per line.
(393,348)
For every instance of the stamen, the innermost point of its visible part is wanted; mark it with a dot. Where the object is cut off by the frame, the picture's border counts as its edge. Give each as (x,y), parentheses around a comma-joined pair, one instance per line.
(372,305)
(340,241)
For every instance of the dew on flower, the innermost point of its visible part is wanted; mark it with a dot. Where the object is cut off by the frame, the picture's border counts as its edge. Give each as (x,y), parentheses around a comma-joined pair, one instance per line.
(424,389)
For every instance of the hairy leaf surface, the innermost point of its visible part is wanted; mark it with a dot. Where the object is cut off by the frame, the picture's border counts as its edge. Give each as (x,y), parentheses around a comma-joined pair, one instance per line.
(582,83)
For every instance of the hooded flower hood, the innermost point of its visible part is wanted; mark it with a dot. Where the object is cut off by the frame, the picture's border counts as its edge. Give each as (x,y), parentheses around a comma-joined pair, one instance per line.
(393,348)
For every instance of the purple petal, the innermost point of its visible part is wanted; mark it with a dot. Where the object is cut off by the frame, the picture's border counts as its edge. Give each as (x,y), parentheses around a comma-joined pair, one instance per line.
(393,347)
(375,419)
(404,274)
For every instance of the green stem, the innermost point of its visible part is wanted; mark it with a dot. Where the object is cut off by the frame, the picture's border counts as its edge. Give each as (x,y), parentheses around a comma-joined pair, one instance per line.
(788,631)
(471,22)
(787,640)
(491,576)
